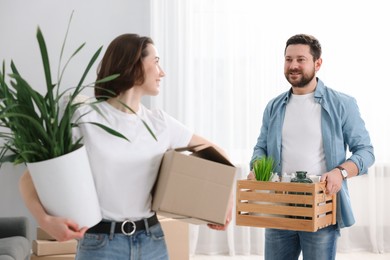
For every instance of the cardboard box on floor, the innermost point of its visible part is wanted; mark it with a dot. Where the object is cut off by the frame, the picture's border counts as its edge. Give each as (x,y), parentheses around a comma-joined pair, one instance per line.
(43,235)
(53,257)
(46,247)
(177,238)
(194,187)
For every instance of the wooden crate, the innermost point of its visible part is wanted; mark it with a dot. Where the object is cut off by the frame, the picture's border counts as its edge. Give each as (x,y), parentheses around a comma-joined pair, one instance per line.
(290,206)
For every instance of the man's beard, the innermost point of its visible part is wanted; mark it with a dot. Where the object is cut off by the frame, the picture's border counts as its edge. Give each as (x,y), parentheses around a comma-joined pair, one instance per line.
(306,78)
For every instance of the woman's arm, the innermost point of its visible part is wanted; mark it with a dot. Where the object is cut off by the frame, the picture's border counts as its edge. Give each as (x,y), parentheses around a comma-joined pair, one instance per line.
(61,229)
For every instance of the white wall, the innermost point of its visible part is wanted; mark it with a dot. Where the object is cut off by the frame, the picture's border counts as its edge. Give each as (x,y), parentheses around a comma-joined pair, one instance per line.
(95,22)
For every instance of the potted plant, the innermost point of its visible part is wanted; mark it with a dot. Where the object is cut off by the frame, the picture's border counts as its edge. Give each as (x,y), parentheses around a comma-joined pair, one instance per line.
(37,130)
(263,168)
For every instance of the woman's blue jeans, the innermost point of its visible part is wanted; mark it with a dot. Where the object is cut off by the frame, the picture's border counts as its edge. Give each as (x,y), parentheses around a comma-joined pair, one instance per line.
(287,245)
(142,245)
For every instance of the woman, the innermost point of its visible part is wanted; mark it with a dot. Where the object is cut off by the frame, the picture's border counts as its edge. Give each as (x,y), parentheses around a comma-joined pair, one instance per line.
(124,172)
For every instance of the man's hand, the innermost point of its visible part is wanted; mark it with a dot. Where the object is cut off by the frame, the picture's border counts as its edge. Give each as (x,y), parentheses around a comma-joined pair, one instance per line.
(251,176)
(333,180)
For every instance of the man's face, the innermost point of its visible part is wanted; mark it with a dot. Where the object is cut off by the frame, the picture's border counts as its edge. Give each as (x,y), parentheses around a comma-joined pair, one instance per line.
(299,67)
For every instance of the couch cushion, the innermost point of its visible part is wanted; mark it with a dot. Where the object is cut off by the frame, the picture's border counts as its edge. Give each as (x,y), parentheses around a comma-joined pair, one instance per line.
(17,247)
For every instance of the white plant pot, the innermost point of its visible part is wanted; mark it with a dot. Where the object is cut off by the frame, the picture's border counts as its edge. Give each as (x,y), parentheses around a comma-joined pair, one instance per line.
(66,187)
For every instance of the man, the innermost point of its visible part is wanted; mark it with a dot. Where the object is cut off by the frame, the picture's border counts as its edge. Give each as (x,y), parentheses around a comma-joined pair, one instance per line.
(309,128)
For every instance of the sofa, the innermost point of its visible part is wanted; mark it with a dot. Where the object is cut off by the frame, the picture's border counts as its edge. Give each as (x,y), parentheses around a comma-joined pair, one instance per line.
(14,242)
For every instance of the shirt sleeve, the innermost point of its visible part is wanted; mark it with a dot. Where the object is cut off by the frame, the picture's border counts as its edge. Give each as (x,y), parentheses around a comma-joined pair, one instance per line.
(180,135)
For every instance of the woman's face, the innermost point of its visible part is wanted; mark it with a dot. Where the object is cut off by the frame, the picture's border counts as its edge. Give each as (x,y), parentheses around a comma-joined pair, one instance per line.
(153,72)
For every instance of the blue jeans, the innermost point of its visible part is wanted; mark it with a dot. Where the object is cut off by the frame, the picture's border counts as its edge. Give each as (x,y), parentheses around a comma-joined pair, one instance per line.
(287,245)
(142,245)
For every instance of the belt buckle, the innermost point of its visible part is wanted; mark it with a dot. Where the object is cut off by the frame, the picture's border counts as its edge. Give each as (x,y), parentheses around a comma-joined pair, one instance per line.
(123,227)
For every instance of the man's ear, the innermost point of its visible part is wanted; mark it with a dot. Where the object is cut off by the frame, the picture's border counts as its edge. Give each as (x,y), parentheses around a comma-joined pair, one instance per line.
(317,64)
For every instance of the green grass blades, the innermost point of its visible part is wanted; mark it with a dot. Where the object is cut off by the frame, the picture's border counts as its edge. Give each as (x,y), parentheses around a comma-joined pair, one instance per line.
(263,168)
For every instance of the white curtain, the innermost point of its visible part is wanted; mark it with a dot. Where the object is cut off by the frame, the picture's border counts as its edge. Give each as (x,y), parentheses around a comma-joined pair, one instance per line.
(224,62)
(372,212)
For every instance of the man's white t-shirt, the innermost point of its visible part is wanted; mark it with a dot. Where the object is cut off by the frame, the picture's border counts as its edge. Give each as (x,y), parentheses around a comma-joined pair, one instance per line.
(125,172)
(302,145)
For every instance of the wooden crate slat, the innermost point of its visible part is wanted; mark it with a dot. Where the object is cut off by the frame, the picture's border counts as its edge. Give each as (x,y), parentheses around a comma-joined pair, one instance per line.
(276,197)
(324,208)
(276,186)
(272,222)
(323,198)
(275,209)
(324,221)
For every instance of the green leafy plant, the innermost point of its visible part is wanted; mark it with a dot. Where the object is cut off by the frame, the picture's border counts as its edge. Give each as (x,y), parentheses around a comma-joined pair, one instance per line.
(263,168)
(35,127)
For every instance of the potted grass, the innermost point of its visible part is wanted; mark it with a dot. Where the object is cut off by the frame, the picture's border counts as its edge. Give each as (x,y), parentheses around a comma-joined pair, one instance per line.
(36,130)
(263,168)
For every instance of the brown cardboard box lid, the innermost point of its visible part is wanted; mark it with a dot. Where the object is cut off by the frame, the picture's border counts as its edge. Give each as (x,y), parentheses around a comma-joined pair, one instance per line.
(208,153)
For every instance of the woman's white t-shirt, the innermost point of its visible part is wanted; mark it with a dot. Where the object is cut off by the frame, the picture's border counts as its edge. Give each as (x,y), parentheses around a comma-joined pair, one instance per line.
(125,171)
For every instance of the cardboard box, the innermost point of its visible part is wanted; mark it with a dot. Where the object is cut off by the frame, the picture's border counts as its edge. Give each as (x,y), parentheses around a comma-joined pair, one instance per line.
(43,235)
(281,205)
(177,238)
(45,247)
(53,257)
(194,186)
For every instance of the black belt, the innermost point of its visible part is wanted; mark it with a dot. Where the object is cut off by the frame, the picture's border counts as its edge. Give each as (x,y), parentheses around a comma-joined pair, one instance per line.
(126,227)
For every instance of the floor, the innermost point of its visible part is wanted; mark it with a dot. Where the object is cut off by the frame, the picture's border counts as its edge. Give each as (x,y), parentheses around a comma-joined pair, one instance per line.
(340,256)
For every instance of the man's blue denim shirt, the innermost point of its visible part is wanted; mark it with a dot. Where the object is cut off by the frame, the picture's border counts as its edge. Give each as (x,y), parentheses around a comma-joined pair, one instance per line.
(342,128)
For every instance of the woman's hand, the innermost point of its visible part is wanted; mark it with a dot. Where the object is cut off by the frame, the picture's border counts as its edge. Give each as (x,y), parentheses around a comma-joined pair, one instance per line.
(228,217)
(62,229)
